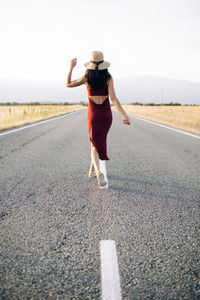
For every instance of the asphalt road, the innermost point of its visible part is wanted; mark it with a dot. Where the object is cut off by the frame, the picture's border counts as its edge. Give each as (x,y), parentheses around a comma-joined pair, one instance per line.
(53,216)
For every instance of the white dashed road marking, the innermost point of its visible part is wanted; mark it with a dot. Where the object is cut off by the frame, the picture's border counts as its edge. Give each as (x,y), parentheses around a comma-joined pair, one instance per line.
(102,166)
(110,280)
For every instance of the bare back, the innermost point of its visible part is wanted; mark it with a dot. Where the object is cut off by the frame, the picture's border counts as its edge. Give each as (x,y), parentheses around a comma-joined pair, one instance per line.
(98,96)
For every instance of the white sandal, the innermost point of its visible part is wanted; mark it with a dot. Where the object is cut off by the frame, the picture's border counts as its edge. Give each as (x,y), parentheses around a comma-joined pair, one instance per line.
(101,180)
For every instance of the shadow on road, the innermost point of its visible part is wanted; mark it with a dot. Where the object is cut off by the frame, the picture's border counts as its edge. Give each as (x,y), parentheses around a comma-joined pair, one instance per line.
(146,188)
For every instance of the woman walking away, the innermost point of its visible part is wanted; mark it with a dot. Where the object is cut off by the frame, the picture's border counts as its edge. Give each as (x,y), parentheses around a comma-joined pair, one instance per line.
(99,86)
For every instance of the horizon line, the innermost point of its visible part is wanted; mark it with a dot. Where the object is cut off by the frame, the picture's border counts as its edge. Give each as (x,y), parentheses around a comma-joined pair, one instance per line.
(116,78)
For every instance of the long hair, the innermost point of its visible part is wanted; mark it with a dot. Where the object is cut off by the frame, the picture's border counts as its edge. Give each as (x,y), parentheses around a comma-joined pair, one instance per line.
(94,82)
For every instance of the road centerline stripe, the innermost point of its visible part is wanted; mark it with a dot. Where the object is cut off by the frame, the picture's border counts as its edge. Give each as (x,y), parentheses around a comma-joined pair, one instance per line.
(110,279)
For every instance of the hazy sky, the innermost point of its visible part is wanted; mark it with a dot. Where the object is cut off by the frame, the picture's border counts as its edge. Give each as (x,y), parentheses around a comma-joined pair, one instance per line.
(155,37)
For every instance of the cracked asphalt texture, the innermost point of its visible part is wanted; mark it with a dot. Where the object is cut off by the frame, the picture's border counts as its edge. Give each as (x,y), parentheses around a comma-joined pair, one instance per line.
(53,216)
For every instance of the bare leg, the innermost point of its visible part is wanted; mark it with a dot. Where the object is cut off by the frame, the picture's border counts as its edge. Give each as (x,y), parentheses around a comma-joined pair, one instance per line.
(95,164)
(92,169)
(95,159)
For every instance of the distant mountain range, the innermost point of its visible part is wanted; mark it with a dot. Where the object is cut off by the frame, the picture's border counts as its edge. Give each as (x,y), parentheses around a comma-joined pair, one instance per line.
(146,88)
(141,88)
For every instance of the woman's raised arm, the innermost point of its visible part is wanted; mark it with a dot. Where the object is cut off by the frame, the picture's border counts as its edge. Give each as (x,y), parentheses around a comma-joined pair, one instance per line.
(76,82)
(116,102)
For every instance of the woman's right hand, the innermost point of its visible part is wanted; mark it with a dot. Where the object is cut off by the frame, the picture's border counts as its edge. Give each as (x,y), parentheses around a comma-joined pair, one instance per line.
(73,63)
(126,120)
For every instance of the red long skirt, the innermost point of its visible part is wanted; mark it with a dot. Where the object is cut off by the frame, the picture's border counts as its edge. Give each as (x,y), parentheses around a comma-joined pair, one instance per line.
(99,123)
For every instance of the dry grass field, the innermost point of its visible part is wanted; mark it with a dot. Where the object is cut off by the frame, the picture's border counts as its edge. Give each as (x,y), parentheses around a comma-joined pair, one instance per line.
(182,117)
(13,116)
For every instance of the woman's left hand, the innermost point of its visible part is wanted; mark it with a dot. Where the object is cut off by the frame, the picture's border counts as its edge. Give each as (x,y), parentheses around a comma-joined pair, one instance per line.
(126,120)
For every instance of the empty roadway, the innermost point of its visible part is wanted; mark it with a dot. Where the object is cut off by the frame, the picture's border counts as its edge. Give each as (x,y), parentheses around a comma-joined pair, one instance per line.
(53,216)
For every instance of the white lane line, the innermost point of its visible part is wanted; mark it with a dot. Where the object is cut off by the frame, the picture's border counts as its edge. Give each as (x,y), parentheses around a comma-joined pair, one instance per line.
(171,128)
(110,280)
(102,166)
(38,123)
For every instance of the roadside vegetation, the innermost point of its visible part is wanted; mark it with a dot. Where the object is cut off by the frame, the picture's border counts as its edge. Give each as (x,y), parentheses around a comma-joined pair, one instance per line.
(41,104)
(18,114)
(185,117)
(157,104)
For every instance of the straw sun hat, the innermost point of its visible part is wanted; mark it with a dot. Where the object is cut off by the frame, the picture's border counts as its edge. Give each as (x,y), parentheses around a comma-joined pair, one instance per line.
(97,61)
